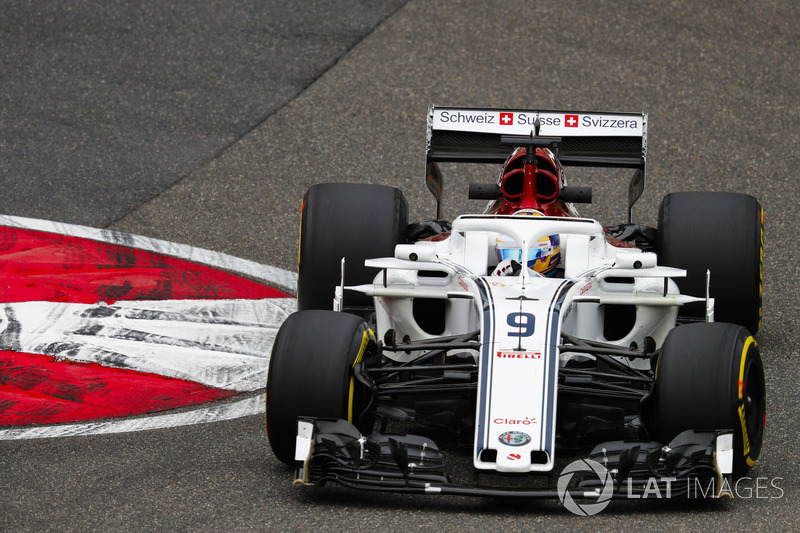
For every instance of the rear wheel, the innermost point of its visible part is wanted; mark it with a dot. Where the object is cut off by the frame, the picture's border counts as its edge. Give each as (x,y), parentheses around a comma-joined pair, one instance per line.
(351,220)
(711,377)
(721,232)
(311,374)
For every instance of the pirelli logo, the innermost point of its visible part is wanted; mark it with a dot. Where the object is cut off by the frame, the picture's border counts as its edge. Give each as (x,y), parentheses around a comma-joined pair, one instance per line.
(519,355)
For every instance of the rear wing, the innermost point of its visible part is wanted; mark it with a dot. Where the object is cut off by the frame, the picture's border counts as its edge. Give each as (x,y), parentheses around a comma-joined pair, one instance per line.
(473,135)
(586,139)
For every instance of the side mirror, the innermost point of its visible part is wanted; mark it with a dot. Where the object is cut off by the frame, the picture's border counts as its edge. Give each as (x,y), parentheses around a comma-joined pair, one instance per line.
(484,191)
(577,195)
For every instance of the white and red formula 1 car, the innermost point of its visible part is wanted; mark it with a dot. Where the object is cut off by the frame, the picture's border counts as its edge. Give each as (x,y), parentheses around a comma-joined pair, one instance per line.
(524,330)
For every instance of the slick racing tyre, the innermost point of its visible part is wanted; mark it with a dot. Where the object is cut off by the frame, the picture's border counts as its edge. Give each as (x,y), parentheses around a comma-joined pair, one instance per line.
(721,232)
(350,220)
(311,374)
(710,376)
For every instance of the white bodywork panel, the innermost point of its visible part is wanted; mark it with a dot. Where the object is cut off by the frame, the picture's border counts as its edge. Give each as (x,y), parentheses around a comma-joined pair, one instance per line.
(521,318)
(518,372)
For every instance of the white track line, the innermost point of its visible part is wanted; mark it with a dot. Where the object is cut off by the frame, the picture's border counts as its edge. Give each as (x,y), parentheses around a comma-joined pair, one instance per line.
(222,344)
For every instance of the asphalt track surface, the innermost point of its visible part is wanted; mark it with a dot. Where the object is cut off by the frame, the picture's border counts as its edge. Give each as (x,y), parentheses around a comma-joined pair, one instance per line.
(203,123)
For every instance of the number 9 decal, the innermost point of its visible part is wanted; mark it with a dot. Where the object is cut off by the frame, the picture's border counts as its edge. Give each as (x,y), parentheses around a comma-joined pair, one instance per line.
(524,324)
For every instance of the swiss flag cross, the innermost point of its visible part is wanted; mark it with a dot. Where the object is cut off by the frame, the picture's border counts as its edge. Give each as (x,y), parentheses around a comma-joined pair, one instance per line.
(506,119)
(571,121)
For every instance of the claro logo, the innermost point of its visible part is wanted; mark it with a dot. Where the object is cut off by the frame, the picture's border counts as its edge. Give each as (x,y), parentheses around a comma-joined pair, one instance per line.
(527,421)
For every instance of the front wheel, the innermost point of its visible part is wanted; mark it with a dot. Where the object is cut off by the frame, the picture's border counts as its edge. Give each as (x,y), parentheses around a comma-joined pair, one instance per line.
(710,376)
(311,374)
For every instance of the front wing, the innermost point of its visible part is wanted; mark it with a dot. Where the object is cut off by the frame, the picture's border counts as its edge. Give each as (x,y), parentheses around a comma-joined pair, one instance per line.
(334,452)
